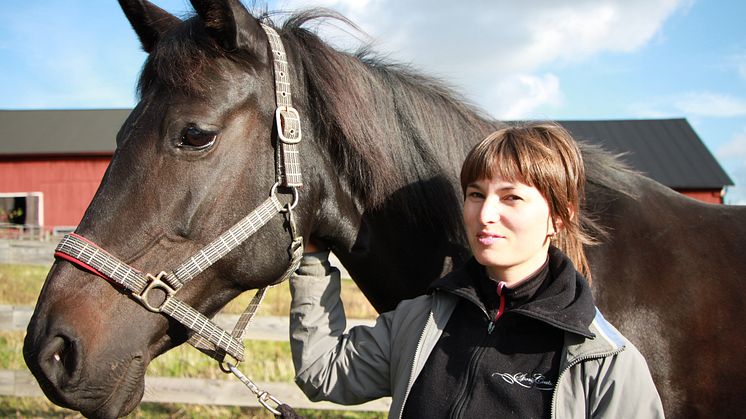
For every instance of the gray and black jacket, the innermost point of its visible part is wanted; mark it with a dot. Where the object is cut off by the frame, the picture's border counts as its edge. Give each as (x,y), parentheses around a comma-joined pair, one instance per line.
(599,372)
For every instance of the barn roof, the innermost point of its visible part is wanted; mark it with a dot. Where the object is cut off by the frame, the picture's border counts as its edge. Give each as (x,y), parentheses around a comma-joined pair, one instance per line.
(60,132)
(667,150)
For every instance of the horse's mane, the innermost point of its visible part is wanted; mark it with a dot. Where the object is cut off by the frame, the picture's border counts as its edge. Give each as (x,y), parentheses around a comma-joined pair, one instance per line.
(383,122)
(387,127)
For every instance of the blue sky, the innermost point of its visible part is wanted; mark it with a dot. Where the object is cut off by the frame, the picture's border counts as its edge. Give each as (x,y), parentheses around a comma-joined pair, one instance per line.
(547,59)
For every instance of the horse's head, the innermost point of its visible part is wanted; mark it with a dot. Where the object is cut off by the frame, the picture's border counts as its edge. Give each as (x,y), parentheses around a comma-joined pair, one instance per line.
(195,156)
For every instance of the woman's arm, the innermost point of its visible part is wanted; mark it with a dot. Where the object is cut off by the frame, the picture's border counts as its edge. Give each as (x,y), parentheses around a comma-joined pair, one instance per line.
(626,389)
(331,365)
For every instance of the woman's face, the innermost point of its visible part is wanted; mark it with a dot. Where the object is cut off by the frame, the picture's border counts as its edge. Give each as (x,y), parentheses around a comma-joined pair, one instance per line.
(508,225)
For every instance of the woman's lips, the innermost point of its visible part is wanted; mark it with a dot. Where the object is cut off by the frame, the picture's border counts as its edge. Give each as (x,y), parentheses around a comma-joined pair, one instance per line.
(487,238)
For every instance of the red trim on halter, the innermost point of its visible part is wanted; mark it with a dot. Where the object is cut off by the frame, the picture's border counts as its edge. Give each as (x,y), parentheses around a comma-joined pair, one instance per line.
(81,264)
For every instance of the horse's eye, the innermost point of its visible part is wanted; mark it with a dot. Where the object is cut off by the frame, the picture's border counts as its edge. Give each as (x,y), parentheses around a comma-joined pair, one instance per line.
(195,138)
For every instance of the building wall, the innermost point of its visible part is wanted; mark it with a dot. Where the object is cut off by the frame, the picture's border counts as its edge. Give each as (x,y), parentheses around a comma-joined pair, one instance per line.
(705,195)
(67,184)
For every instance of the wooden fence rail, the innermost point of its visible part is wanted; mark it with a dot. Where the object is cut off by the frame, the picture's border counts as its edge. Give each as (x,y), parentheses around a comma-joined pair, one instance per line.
(228,392)
(273,328)
(197,391)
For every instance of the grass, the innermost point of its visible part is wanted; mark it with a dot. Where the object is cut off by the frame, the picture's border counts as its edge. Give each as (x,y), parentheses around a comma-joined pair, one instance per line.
(11,357)
(271,361)
(20,285)
(34,407)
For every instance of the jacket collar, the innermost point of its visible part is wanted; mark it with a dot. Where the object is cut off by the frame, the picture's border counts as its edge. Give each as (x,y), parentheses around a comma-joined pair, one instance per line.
(608,341)
(564,300)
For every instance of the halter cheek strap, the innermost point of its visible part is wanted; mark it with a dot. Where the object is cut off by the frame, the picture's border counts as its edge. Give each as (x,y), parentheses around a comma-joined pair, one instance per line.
(158,292)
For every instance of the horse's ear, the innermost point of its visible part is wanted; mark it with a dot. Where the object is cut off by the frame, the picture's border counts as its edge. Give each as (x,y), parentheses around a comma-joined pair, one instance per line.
(149,21)
(229,23)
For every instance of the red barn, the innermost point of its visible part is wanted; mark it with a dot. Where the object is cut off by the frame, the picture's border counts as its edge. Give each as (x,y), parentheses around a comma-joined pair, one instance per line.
(51,161)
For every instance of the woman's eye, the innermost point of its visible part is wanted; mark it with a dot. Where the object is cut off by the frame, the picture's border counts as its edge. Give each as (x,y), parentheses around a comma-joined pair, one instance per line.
(196,138)
(476,195)
(513,198)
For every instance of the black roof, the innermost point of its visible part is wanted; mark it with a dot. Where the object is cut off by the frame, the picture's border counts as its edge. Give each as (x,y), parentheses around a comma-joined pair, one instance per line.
(63,132)
(667,150)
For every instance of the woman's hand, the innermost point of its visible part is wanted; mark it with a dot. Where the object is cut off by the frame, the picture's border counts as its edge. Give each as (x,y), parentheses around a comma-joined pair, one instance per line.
(313,246)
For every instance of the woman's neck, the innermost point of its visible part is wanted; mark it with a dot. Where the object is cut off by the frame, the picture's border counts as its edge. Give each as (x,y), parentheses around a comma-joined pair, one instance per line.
(516,275)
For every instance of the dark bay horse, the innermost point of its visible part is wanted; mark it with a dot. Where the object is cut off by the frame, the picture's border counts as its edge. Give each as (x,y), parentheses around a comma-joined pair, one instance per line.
(381,150)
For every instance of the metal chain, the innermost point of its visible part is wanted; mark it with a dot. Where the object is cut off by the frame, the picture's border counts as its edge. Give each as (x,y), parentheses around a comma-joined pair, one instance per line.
(261,395)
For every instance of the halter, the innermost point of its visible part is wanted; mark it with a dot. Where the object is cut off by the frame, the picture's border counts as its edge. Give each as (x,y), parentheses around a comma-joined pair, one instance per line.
(158,293)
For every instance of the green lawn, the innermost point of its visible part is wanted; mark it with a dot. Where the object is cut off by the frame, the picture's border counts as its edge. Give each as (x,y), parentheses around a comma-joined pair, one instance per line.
(21,284)
(271,361)
(33,407)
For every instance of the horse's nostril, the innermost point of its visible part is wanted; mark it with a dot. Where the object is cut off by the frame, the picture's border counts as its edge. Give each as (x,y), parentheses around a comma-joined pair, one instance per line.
(59,360)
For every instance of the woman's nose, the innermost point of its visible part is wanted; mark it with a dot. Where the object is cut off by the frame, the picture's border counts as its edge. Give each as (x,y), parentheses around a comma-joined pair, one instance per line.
(490,212)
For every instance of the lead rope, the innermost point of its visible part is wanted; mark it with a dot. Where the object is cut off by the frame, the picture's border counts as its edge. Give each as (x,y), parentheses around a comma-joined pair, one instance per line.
(288,175)
(263,396)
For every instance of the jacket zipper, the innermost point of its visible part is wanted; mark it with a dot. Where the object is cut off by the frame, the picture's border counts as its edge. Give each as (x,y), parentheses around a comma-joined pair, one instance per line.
(471,372)
(475,358)
(500,309)
(574,362)
(417,354)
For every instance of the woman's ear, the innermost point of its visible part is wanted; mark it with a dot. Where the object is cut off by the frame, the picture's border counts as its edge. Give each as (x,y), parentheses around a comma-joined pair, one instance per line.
(571,212)
(558,224)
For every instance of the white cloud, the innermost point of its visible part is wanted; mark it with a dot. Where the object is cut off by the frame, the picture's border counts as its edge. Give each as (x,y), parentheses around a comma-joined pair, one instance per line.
(490,45)
(56,67)
(697,104)
(733,157)
(737,63)
(736,195)
(520,96)
(734,149)
(710,104)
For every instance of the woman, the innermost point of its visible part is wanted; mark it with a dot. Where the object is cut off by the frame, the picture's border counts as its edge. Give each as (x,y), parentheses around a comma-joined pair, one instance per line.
(514,333)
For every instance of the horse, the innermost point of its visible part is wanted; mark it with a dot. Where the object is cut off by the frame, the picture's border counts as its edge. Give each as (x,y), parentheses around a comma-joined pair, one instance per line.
(380,154)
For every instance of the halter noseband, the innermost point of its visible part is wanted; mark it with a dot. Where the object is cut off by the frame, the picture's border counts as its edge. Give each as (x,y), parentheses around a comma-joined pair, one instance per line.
(158,293)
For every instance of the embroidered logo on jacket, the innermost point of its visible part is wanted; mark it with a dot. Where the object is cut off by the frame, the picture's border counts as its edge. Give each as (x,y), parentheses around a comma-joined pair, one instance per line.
(537,381)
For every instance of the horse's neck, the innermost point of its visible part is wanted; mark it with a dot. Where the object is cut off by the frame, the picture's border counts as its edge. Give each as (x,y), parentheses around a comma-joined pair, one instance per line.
(396,249)
(397,222)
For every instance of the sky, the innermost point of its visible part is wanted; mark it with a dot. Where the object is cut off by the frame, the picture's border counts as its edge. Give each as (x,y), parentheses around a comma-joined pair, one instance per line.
(528,59)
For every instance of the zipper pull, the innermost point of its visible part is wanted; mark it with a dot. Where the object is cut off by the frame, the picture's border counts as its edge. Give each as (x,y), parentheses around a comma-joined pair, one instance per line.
(490,327)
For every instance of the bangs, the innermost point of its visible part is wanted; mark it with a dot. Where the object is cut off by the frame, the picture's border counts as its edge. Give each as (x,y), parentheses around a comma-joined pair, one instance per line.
(505,156)
(182,60)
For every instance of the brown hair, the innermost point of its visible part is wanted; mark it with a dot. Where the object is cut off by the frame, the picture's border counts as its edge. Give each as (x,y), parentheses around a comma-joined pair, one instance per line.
(546,157)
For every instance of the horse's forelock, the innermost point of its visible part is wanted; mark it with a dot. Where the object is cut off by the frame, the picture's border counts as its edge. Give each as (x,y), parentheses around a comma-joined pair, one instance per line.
(181,60)
(384,123)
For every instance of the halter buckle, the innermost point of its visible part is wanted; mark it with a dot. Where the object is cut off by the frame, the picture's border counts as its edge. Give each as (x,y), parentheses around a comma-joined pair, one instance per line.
(288,124)
(155,282)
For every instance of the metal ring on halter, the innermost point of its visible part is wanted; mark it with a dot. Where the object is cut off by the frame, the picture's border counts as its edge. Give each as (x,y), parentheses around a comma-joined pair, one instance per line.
(226,364)
(292,205)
